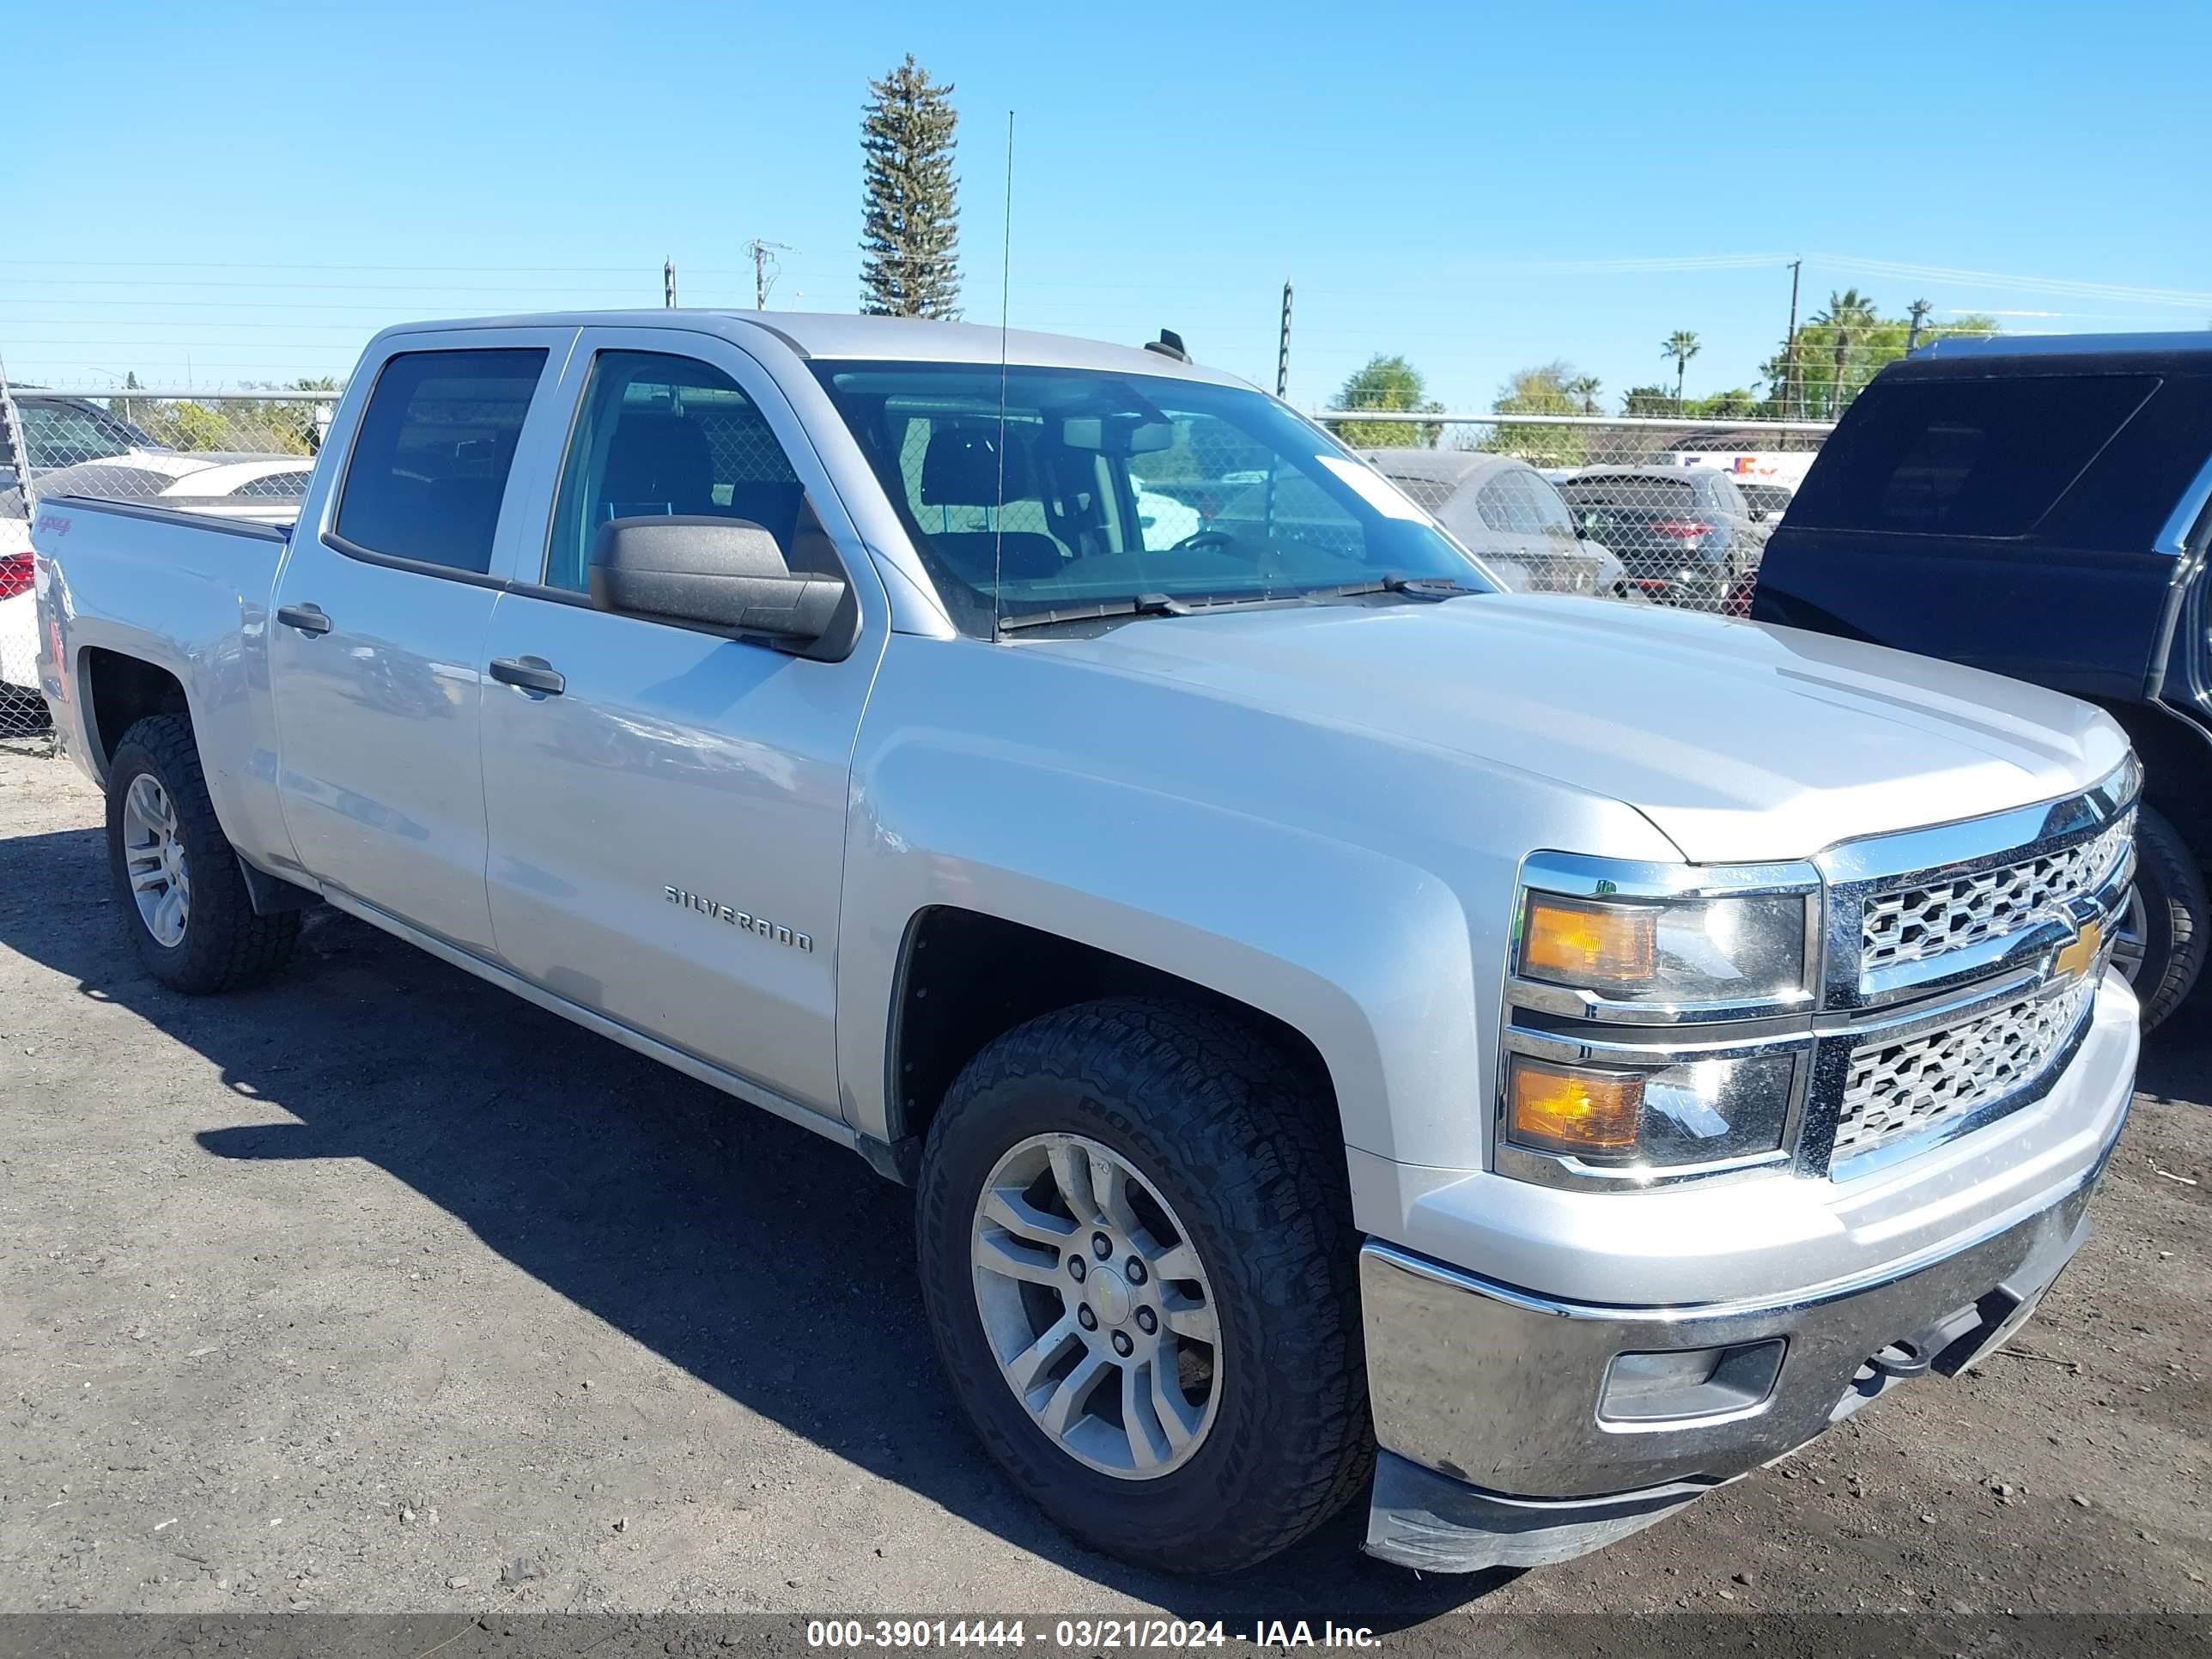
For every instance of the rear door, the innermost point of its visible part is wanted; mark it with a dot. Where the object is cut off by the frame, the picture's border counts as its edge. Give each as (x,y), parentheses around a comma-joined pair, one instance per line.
(2017,522)
(376,650)
(667,828)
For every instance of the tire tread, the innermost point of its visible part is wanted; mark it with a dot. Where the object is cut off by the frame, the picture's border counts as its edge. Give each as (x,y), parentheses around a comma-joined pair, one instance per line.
(227,946)
(1227,1101)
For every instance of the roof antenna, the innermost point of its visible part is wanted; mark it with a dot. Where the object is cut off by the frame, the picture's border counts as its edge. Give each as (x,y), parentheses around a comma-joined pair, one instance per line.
(1005,278)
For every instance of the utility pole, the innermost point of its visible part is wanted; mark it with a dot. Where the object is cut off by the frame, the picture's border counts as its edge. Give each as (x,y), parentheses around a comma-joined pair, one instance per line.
(668,284)
(764,279)
(1792,405)
(1283,347)
(1918,310)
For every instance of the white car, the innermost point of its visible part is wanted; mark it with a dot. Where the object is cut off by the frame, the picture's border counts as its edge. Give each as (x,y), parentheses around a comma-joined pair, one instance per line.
(1163,519)
(228,486)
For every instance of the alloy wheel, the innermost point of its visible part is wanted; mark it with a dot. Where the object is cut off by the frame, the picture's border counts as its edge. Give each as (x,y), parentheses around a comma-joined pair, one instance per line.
(154,856)
(1096,1306)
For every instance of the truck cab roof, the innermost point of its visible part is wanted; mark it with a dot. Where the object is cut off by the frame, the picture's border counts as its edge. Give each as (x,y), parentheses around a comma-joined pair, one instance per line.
(822,335)
(2173,353)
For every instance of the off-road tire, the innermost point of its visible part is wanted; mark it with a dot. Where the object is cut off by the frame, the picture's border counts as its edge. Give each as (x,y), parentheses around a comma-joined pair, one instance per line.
(1246,1152)
(225,946)
(2175,925)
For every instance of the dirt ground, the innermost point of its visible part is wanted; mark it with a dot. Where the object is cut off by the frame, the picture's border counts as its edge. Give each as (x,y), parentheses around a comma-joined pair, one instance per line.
(378,1290)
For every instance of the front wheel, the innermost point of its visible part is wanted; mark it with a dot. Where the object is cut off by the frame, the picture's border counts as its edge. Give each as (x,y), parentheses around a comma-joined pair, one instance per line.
(2163,933)
(183,900)
(1138,1260)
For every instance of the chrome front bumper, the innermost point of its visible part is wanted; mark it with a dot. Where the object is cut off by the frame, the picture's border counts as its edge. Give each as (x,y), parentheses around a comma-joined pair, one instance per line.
(1515,1437)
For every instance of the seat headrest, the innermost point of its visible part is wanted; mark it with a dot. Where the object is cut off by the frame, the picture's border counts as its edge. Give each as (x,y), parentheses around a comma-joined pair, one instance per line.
(655,458)
(960,468)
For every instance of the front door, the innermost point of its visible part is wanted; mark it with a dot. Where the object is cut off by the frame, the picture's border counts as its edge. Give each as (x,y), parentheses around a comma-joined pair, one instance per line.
(667,828)
(377,644)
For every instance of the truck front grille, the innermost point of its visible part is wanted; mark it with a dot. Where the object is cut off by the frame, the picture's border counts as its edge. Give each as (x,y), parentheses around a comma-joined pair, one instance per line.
(1894,1090)
(1949,912)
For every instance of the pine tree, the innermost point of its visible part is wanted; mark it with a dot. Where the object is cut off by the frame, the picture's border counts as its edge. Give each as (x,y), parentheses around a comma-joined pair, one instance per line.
(910,222)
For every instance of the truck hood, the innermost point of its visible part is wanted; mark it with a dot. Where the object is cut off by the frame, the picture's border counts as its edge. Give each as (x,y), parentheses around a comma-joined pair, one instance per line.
(1739,740)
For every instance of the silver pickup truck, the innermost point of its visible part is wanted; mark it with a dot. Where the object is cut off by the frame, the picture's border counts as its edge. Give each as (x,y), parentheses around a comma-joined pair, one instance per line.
(1524,1059)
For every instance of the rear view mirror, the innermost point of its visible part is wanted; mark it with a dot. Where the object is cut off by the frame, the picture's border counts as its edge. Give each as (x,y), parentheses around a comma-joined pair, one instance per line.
(1116,434)
(725,574)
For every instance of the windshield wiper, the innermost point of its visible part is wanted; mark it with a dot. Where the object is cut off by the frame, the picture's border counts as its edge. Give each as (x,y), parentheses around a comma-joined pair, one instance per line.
(1144,604)
(1431,588)
(1427,588)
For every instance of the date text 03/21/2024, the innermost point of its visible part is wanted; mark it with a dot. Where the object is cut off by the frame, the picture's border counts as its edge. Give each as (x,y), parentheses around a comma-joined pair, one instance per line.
(1090,1634)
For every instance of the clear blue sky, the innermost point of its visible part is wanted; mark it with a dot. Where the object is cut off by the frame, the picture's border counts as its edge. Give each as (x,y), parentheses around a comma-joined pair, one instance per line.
(244,191)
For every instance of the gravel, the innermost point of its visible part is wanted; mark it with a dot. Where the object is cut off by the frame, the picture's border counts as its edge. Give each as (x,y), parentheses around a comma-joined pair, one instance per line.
(378,1290)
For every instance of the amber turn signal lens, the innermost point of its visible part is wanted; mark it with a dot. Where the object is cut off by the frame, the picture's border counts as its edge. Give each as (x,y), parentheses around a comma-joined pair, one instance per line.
(1561,1110)
(1589,944)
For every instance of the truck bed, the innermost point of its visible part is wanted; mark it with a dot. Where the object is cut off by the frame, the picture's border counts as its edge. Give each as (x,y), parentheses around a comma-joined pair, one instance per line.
(185,592)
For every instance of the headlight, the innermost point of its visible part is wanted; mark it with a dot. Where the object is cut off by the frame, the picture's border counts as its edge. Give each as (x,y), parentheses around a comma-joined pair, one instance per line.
(1694,1112)
(1723,950)
(1629,980)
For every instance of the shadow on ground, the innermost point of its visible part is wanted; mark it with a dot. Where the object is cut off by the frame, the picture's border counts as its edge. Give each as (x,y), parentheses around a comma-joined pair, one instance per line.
(765,1261)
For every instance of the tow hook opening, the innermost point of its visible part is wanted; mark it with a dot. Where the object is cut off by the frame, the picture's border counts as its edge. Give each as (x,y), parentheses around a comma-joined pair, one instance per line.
(1677,1384)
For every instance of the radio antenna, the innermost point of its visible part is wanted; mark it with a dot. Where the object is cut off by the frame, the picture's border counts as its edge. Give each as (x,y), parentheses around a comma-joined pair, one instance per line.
(1006,279)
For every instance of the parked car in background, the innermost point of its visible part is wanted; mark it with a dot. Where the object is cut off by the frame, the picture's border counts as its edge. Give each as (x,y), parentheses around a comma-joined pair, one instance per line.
(57,432)
(1768,502)
(1505,513)
(229,486)
(22,709)
(1688,536)
(2039,507)
(1747,457)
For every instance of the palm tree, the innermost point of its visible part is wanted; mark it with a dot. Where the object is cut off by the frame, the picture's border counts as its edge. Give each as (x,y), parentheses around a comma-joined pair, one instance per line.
(1681,345)
(1849,313)
(1584,387)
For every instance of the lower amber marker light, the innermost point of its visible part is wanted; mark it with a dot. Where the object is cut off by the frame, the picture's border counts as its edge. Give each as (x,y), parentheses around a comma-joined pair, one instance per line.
(1560,1109)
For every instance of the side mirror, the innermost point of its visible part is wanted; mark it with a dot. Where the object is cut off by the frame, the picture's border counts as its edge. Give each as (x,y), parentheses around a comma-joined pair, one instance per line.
(1759,515)
(724,574)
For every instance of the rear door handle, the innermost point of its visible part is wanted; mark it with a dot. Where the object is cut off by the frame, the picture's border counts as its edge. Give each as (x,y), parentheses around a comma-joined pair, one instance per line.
(530,674)
(307,618)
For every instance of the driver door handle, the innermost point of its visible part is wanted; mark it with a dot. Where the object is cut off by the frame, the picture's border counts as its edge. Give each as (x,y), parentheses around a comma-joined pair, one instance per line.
(530,674)
(307,618)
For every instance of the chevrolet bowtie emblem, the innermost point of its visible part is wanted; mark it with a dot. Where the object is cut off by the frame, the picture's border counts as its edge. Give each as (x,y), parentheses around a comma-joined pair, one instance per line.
(2077,958)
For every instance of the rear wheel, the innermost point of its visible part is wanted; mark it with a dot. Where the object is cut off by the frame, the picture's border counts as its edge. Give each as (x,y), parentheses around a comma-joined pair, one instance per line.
(178,884)
(2161,942)
(1138,1259)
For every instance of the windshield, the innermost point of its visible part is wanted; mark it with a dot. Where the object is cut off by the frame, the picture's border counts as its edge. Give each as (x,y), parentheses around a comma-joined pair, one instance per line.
(1109,486)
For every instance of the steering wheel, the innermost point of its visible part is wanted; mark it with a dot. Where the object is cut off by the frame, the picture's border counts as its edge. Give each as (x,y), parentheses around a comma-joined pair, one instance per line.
(1204,538)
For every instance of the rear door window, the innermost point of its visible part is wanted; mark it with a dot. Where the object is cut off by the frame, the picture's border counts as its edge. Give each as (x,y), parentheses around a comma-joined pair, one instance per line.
(1964,458)
(276,486)
(1726,497)
(429,464)
(1520,503)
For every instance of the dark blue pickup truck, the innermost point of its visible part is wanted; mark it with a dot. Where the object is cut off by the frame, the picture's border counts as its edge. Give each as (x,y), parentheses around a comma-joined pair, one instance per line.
(2042,508)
